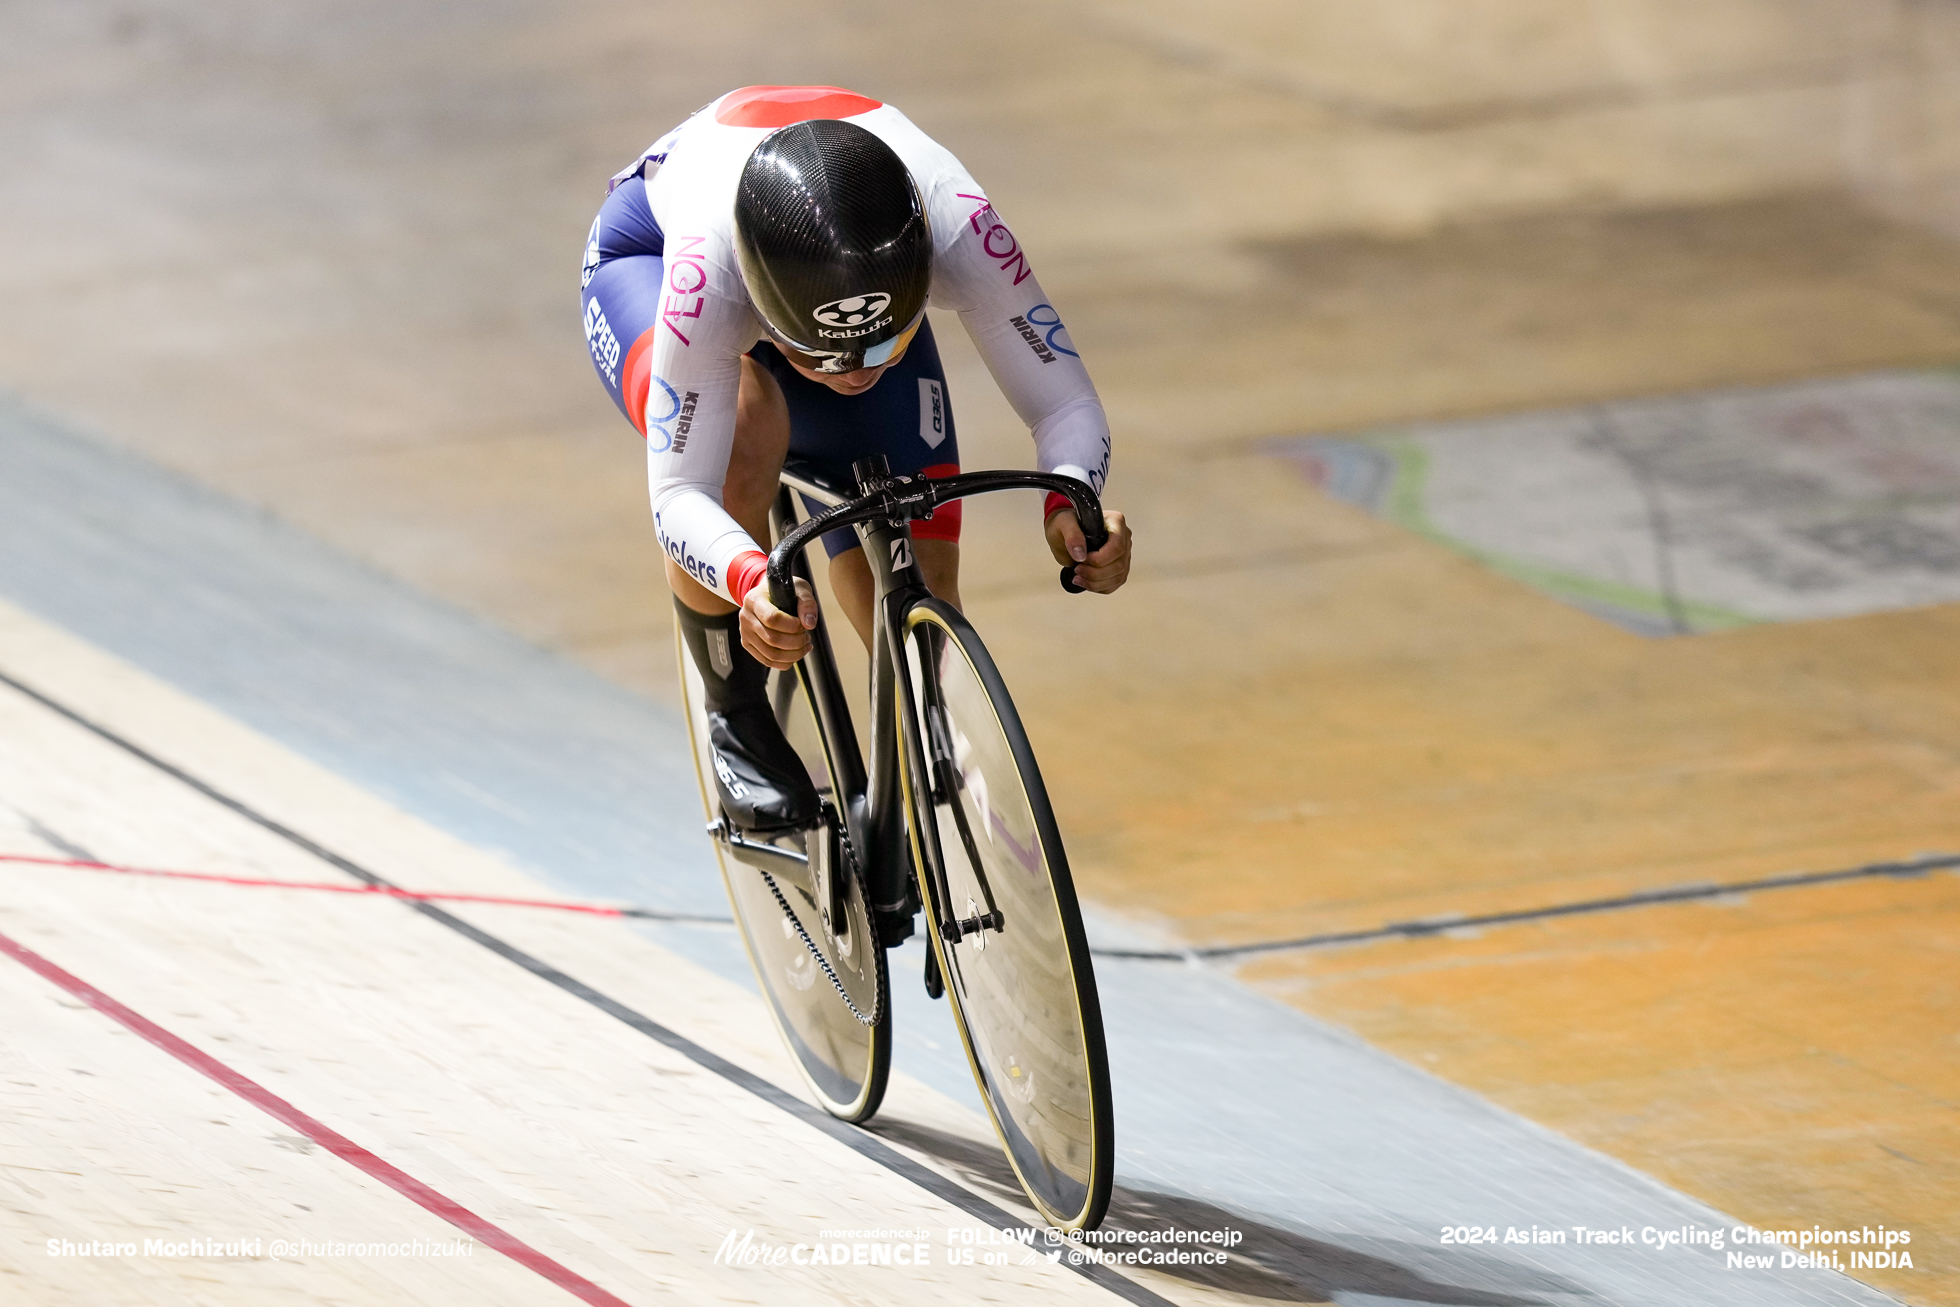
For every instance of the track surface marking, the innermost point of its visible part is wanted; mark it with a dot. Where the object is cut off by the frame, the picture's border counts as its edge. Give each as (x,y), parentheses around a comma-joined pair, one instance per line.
(327,1137)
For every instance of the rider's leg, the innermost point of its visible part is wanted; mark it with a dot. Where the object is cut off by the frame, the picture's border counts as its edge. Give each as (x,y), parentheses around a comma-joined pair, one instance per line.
(850,579)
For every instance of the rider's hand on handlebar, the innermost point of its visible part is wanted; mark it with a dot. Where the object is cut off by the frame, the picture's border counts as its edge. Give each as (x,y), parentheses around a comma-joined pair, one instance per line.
(1102,571)
(775,637)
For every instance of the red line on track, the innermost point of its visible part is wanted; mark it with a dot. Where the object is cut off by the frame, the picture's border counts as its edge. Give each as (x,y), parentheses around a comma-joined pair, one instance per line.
(323,887)
(332,1140)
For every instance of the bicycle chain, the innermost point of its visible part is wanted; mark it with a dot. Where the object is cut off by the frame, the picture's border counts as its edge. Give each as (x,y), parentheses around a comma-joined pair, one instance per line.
(789,914)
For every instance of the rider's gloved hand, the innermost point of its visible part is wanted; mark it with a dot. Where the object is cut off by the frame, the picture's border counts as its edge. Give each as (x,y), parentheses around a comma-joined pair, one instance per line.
(1102,571)
(776,638)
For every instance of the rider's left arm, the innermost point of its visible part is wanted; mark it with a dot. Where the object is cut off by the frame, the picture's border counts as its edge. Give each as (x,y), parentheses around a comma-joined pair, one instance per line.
(982,273)
(1105,570)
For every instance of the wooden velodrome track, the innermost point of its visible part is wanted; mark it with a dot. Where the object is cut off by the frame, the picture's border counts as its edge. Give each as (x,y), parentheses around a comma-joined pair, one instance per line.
(222,1039)
(375,346)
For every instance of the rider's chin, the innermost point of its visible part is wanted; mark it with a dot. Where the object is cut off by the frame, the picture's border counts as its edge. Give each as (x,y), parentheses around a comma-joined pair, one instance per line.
(850,383)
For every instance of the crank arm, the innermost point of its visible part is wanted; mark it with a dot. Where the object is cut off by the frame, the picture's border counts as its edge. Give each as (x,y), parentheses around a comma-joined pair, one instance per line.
(783,862)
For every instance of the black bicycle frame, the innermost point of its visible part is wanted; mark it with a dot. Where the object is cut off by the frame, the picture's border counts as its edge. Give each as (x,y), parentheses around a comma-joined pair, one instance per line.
(882,513)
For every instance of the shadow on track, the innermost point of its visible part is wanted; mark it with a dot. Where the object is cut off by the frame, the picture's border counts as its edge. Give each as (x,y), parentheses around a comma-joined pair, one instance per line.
(1273,1263)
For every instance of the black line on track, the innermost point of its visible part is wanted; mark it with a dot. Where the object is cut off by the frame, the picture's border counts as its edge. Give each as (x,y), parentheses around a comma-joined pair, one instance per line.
(685,918)
(1901,870)
(864,1144)
(1904,869)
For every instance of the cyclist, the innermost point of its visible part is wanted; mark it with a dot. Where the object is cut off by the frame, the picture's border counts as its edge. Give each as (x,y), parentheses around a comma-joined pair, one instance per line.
(755,285)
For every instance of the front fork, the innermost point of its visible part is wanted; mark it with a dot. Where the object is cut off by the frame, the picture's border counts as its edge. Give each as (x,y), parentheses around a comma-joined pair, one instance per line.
(899,582)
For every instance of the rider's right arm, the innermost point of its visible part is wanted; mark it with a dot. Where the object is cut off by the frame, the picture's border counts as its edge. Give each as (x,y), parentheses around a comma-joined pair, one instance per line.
(694,380)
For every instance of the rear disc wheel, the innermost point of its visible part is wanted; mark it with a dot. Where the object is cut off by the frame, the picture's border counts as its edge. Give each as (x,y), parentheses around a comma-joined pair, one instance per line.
(844,1061)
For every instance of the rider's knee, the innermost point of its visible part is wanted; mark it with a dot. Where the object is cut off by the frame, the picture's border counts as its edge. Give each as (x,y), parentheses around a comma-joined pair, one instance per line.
(940,561)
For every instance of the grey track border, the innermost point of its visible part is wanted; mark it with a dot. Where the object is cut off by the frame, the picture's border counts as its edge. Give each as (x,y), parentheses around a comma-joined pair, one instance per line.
(866,1145)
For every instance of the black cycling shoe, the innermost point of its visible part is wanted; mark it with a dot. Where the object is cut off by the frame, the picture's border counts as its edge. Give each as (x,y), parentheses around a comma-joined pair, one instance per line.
(762,783)
(764,787)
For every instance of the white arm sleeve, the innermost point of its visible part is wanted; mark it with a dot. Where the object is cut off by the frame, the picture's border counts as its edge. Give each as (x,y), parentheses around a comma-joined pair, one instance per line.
(696,376)
(982,272)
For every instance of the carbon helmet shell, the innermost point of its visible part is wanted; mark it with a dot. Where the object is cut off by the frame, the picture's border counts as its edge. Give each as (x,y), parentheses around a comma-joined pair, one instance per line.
(833,241)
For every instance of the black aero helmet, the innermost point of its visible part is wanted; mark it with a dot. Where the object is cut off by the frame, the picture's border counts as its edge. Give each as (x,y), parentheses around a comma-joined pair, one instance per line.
(833,243)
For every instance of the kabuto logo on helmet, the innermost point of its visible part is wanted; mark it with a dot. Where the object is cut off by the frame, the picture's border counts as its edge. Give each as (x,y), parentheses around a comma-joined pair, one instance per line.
(852,310)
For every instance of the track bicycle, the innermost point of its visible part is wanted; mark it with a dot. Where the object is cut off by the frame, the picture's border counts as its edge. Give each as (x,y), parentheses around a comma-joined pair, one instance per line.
(952,816)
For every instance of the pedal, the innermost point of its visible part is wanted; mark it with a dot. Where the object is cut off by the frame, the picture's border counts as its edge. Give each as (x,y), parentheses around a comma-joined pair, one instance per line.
(935,983)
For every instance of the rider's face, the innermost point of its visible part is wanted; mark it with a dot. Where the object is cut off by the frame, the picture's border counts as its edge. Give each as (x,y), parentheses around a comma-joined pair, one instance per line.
(844,383)
(847,383)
